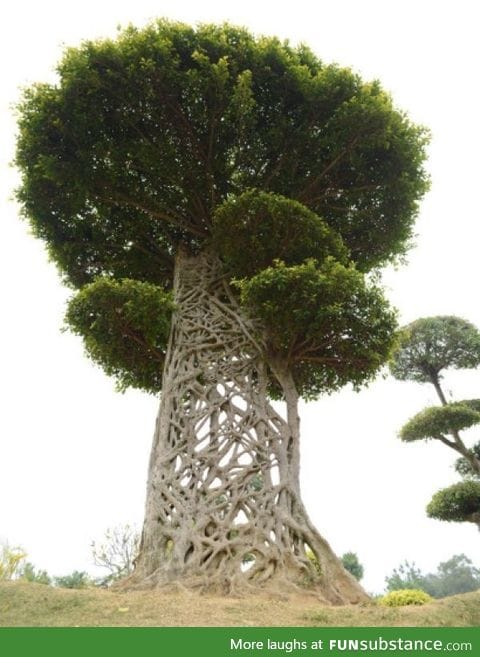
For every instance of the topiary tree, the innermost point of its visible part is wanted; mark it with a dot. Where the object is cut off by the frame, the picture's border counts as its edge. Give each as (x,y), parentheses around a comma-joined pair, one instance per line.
(219,200)
(425,349)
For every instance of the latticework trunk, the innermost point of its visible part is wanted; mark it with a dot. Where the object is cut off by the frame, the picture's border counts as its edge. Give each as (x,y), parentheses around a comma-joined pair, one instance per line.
(223,503)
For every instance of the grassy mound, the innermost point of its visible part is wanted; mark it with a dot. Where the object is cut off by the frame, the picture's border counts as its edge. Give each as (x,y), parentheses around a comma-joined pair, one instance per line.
(31,605)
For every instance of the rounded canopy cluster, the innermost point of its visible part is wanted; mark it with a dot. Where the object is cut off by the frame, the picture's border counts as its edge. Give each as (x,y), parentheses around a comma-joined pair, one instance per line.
(430,345)
(436,422)
(457,503)
(299,175)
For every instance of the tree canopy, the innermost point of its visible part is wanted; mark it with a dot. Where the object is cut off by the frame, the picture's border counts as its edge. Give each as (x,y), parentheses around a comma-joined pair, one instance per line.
(300,175)
(430,345)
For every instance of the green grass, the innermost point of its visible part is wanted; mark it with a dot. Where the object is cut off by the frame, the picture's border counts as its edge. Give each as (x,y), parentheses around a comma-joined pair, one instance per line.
(33,605)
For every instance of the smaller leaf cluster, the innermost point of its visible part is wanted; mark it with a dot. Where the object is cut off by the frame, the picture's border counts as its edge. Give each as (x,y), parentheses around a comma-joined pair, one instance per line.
(321,318)
(457,503)
(435,422)
(125,327)
(271,227)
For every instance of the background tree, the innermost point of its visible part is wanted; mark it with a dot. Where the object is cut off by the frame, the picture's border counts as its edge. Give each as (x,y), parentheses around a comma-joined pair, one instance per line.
(406,576)
(219,200)
(116,552)
(456,575)
(30,573)
(352,563)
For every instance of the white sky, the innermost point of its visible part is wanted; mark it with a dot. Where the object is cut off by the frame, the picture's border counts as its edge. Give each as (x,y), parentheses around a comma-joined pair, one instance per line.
(74,453)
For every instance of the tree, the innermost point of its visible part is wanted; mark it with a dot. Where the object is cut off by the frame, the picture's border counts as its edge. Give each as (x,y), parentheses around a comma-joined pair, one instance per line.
(430,345)
(406,576)
(219,200)
(352,564)
(456,575)
(425,349)
(116,553)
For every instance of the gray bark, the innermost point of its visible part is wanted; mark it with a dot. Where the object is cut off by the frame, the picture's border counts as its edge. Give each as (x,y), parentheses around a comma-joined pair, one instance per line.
(223,506)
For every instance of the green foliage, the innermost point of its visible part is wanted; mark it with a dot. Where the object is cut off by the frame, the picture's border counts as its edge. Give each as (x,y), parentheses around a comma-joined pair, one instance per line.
(406,576)
(325,321)
(404,597)
(157,141)
(143,137)
(271,227)
(464,467)
(436,421)
(456,575)
(116,552)
(457,503)
(432,344)
(11,561)
(75,580)
(30,574)
(125,326)
(314,561)
(352,564)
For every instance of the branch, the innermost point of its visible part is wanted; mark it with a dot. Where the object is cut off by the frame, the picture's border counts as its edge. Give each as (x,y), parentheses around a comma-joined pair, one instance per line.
(303,196)
(156,214)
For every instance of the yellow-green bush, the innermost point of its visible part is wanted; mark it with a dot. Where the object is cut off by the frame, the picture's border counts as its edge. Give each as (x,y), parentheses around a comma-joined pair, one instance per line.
(11,560)
(403,597)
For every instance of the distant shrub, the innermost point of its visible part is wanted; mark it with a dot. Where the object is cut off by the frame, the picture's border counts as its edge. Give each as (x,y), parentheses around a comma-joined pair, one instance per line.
(76,580)
(404,597)
(30,574)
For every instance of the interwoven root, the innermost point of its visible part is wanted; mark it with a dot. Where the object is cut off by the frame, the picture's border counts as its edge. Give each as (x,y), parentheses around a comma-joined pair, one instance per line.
(223,502)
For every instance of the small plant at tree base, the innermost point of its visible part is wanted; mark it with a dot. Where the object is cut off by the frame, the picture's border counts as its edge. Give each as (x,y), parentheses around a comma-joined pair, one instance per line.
(404,597)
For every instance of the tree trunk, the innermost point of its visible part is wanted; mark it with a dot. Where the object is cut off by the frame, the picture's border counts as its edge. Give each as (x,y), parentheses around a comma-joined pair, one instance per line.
(223,507)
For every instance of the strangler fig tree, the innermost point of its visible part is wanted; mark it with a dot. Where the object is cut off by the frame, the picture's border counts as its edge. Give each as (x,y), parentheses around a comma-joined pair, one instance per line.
(218,200)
